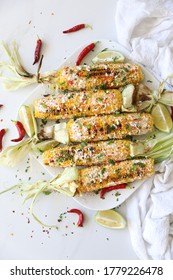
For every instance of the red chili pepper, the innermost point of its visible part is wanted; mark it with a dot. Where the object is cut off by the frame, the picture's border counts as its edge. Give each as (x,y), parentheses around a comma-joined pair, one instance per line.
(37,51)
(81,216)
(2,133)
(103,191)
(21,131)
(76,28)
(84,52)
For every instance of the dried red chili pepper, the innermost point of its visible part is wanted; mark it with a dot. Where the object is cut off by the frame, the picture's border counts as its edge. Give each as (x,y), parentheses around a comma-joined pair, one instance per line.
(84,52)
(21,131)
(2,133)
(37,51)
(76,28)
(103,191)
(81,216)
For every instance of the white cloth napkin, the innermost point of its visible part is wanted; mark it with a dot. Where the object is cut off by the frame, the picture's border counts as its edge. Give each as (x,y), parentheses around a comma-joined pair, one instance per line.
(145,28)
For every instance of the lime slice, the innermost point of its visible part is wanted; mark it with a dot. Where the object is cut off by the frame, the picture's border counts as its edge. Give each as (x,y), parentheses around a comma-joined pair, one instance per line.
(108,57)
(45,145)
(161,118)
(27,118)
(110,219)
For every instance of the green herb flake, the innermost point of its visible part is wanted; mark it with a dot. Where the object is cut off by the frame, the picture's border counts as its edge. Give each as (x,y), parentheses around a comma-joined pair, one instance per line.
(140,164)
(99,99)
(43,105)
(110,142)
(44,121)
(83,144)
(100,156)
(88,126)
(104,87)
(111,128)
(103,170)
(117,194)
(111,161)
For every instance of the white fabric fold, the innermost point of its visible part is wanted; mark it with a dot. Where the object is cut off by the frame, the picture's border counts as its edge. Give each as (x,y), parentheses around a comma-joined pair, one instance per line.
(145,28)
(150,215)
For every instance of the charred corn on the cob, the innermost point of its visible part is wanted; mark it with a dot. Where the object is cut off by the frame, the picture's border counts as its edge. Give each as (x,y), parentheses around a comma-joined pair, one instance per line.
(101,76)
(98,177)
(86,103)
(109,127)
(88,153)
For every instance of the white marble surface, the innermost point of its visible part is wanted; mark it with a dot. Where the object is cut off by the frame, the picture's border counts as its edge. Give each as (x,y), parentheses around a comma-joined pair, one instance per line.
(20,236)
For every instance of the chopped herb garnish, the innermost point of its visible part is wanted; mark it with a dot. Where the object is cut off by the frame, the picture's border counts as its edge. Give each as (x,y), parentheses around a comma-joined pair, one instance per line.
(43,105)
(111,161)
(88,126)
(75,118)
(111,128)
(149,81)
(65,91)
(103,170)
(110,142)
(99,99)
(44,121)
(104,50)
(100,156)
(104,87)
(83,144)
(141,164)
(47,192)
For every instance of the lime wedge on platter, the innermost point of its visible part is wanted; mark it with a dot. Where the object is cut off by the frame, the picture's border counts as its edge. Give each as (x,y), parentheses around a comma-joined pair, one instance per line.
(161,118)
(110,219)
(108,57)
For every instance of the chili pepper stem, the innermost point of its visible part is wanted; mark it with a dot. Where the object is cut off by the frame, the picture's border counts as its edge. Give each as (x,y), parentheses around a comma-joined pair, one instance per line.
(88,26)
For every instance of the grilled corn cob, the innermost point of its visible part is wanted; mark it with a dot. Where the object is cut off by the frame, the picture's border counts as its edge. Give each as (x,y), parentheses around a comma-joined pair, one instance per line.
(102,76)
(98,177)
(86,103)
(109,127)
(88,154)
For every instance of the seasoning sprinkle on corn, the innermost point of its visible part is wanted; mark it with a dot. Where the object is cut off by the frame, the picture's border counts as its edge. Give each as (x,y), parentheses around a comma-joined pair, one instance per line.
(101,76)
(85,103)
(88,153)
(98,177)
(109,127)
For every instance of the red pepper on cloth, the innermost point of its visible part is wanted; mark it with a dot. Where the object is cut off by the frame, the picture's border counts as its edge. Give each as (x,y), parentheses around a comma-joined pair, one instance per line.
(2,133)
(84,52)
(37,51)
(80,214)
(21,131)
(76,28)
(103,191)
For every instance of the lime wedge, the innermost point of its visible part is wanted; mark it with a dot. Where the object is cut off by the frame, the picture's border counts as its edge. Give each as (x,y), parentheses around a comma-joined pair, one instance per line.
(45,145)
(161,118)
(27,118)
(108,57)
(110,219)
